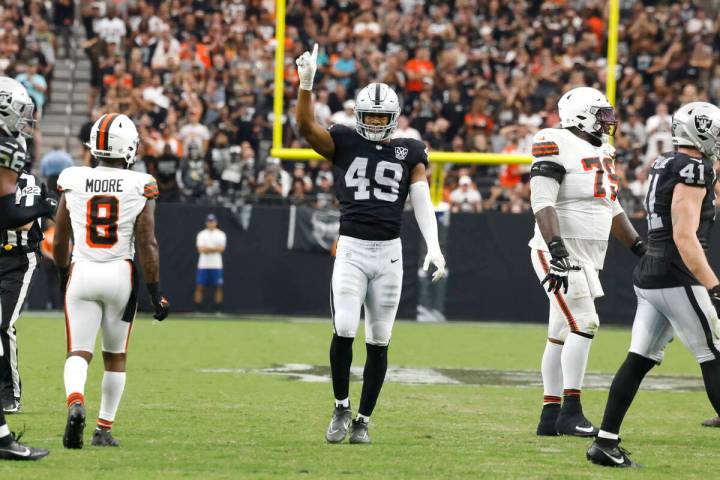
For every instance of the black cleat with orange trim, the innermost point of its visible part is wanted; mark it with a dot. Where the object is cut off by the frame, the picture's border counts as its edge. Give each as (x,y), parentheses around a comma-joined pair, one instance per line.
(75,426)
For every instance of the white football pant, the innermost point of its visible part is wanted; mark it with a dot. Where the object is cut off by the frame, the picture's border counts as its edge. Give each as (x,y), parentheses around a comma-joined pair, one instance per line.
(571,312)
(687,312)
(97,295)
(366,273)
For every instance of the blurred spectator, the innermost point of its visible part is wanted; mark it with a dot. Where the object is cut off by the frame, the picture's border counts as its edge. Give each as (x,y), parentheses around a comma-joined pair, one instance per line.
(165,169)
(52,163)
(465,198)
(346,116)
(404,130)
(35,84)
(63,19)
(194,133)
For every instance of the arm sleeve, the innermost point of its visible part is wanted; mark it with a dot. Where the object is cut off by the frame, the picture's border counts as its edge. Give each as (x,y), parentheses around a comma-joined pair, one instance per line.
(543,192)
(425,214)
(13,216)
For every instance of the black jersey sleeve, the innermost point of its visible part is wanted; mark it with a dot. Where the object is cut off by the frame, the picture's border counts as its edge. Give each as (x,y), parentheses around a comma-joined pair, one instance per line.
(12,154)
(344,140)
(418,153)
(691,171)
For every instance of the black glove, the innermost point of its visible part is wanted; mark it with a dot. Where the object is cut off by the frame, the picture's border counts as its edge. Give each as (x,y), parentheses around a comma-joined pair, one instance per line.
(560,267)
(715,297)
(638,247)
(50,203)
(160,303)
(64,274)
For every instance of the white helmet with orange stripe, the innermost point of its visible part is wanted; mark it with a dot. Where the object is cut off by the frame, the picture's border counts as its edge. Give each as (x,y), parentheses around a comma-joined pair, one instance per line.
(114,136)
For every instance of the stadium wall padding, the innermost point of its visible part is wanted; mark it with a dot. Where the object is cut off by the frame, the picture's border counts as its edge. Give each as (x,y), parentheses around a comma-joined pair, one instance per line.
(491,278)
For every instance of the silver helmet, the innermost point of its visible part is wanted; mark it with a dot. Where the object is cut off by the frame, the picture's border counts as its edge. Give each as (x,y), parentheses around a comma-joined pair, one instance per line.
(16,108)
(697,125)
(377,99)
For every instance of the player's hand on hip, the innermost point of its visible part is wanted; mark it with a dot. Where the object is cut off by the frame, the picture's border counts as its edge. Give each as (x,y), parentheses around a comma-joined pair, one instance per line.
(437,259)
(560,267)
(307,66)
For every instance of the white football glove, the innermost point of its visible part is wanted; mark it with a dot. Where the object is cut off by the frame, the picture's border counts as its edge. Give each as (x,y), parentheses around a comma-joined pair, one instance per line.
(437,259)
(307,66)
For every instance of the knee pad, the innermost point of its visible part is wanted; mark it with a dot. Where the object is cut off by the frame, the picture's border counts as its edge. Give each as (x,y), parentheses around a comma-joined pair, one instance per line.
(344,327)
(587,323)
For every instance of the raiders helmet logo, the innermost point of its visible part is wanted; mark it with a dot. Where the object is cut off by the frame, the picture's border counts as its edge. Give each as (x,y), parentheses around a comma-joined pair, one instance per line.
(5,99)
(702,123)
(401,153)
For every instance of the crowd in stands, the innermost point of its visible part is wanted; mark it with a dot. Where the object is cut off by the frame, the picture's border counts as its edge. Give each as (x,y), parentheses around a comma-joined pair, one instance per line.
(29,47)
(473,76)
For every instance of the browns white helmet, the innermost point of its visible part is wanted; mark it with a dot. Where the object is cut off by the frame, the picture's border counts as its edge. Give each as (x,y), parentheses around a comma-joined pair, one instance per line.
(114,136)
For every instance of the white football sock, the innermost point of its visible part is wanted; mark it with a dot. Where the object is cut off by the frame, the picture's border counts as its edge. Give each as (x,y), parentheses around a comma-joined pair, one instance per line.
(552,373)
(75,375)
(574,359)
(4,431)
(113,384)
(362,418)
(345,403)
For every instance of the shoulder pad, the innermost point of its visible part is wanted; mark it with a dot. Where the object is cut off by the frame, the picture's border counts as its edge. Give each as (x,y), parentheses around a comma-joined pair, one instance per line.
(545,143)
(689,170)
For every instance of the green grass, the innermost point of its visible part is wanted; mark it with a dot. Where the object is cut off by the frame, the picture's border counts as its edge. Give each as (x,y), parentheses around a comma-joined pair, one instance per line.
(177,422)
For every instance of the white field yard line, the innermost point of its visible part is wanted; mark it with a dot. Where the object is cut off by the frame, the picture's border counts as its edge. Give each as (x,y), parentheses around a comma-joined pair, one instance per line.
(459,376)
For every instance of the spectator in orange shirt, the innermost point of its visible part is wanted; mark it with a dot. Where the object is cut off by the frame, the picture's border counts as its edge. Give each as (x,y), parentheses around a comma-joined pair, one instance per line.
(418,69)
(195,52)
(477,119)
(119,78)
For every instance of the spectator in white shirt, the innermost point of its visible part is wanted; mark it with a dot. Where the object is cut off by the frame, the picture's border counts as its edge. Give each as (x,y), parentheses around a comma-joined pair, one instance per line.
(210,246)
(465,198)
(168,47)
(404,130)
(195,132)
(346,116)
(111,28)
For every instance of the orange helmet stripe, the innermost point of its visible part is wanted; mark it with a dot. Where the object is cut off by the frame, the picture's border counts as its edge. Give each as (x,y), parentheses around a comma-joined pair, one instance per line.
(104,130)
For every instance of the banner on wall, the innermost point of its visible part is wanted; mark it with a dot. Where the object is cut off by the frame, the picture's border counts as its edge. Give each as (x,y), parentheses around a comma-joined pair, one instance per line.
(312,230)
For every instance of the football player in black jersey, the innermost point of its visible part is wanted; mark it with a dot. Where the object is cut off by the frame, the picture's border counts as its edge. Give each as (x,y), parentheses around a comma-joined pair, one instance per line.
(678,292)
(16,123)
(374,176)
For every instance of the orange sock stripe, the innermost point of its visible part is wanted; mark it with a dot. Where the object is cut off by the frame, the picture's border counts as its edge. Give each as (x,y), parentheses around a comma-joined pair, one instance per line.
(104,423)
(76,397)
(571,392)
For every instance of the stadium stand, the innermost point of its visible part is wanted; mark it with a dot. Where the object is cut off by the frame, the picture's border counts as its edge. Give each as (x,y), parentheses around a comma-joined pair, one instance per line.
(473,76)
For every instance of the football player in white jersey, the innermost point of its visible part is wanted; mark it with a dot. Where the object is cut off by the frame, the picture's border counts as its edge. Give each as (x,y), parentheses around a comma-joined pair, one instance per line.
(105,210)
(574,199)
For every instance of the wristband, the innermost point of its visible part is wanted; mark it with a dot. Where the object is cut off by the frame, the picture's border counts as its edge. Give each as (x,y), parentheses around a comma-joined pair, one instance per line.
(154,290)
(557,248)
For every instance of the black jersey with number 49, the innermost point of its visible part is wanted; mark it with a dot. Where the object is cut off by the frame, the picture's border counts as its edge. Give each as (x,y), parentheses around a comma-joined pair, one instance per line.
(372,181)
(663,267)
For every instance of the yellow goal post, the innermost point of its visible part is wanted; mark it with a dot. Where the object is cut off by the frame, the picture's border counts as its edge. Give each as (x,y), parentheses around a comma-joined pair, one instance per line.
(437,159)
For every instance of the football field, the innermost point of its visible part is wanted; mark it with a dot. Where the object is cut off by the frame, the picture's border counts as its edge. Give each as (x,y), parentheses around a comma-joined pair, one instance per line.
(249,398)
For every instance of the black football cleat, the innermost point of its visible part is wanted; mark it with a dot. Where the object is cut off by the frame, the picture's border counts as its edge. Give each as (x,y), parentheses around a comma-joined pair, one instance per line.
(575,425)
(18,451)
(103,438)
(359,432)
(339,423)
(609,454)
(75,426)
(711,422)
(548,420)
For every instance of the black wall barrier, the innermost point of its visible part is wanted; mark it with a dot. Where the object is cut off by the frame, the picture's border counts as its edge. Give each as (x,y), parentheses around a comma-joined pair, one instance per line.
(491,278)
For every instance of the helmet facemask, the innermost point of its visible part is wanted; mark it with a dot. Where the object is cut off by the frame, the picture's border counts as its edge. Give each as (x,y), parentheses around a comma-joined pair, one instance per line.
(17,116)
(375,133)
(606,122)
